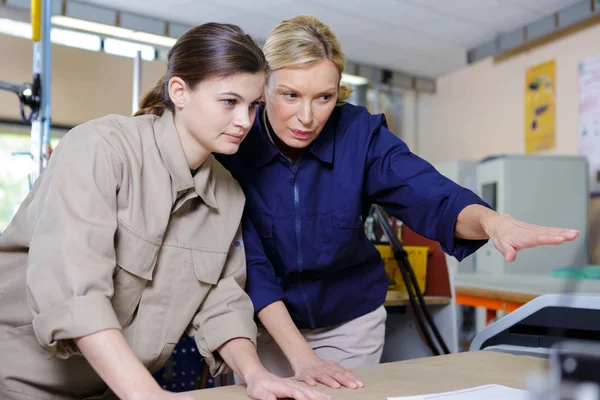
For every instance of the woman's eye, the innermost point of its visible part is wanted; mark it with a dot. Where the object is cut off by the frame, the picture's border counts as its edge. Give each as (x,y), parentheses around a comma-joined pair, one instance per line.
(290,95)
(326,97)
(229,102)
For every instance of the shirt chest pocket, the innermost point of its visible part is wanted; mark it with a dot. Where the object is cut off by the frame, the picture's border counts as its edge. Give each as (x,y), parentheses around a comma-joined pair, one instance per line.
(135,259)
(264,226)
(206,268)
(198,276)
(341,233)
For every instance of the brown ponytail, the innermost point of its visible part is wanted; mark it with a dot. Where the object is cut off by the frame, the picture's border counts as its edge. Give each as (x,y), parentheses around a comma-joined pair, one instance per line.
(206,51)
(155,100)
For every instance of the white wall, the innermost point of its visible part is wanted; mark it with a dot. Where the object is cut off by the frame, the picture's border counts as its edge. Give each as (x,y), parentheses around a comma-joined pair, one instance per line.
(478,110)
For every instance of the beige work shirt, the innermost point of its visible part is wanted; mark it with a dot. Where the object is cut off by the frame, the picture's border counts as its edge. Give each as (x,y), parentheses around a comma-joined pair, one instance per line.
(117,233)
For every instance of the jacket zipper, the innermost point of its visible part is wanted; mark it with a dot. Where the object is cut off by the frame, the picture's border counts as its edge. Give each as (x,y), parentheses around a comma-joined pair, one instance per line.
(299,244)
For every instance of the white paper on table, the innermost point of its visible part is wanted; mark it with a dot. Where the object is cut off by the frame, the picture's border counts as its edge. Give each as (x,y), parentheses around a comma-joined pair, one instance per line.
(487,392)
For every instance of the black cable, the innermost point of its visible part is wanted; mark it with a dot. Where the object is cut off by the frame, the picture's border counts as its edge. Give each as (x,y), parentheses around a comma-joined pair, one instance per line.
(416,310)
(432,324)
(27,118)
(411,282)
(402,256)
(418,315)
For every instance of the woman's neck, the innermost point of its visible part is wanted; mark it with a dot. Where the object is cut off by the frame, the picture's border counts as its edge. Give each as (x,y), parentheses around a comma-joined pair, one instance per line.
(195,153)
(290,152)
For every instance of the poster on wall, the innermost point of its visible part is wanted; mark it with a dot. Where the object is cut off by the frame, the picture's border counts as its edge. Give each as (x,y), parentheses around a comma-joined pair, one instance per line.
(589,118)
(540,107)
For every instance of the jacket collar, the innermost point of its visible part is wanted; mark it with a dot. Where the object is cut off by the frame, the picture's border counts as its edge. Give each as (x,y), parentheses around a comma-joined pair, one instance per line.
(171,151)
(322,147)
(267,150)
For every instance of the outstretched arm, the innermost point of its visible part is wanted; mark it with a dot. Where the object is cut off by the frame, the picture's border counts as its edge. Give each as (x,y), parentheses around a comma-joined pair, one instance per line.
(507,234)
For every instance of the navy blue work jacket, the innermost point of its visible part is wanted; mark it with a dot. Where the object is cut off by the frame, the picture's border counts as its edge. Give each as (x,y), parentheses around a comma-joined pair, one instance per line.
(303,227)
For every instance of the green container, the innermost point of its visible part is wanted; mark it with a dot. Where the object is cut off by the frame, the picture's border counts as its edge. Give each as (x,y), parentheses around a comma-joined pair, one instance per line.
(583,272)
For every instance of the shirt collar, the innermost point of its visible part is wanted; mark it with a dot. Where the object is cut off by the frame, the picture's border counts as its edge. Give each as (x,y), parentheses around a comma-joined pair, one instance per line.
(324,145)
(267,148)
(171,151)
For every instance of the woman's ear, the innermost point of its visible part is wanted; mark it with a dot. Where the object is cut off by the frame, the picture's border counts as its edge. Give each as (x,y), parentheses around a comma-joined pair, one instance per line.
(177,90)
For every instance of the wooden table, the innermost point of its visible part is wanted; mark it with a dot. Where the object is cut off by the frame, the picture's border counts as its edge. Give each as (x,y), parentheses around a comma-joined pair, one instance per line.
(482,291)
(421,376)
(517,288)
(491,299)
(508,292)
(394,298)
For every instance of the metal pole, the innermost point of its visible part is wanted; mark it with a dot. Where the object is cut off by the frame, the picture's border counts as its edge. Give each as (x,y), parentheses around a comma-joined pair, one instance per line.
(376,78)
(11,87)
(417,124)
(399,115)
(40,125)
(46,81)
(137,80)
(36,128)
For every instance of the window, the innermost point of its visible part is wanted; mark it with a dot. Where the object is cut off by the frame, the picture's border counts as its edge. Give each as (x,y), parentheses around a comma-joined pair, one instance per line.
(129,49)
(64,37)
(15,166)
(76,39)
(15,28)
(15,162)
(81,40)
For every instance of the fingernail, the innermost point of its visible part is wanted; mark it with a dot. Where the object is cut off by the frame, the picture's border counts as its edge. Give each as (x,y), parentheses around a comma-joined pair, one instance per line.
(353,385)
(361,384)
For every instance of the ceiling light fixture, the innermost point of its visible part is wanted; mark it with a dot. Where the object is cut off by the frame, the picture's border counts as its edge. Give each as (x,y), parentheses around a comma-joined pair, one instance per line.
(354,80)
(115,31)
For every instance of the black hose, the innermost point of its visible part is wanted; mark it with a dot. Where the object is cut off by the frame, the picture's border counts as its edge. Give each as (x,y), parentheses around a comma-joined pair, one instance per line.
(413,279)
(418,315)
(411,283)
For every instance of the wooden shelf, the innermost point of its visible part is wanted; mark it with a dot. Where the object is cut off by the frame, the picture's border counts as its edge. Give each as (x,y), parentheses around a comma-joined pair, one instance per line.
(394,298)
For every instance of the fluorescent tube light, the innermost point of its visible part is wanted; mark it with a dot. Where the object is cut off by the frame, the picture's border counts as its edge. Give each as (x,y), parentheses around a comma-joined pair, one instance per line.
(354,80)
(115,31)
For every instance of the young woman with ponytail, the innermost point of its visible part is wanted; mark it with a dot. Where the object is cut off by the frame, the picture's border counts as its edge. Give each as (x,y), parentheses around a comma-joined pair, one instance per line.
(131,238)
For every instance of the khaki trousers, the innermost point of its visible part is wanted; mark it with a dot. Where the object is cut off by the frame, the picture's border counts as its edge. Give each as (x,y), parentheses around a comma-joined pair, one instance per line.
(353,344)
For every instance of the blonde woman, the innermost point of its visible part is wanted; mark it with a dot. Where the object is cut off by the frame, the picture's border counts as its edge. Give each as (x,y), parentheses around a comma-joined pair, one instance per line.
(310,168)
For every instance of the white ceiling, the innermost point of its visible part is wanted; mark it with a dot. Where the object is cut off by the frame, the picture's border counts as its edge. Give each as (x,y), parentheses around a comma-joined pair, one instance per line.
(422,37)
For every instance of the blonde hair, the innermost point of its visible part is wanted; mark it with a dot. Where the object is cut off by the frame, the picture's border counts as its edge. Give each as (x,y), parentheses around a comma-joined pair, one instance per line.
(303,40)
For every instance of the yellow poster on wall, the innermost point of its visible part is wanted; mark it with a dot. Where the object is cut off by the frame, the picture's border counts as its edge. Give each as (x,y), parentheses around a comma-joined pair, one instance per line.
(540,107)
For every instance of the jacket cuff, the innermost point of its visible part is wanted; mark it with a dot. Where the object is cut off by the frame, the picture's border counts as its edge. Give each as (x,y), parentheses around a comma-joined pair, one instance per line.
(262,288)
(80,316)
(456,247)
(264,295)
(218,331)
